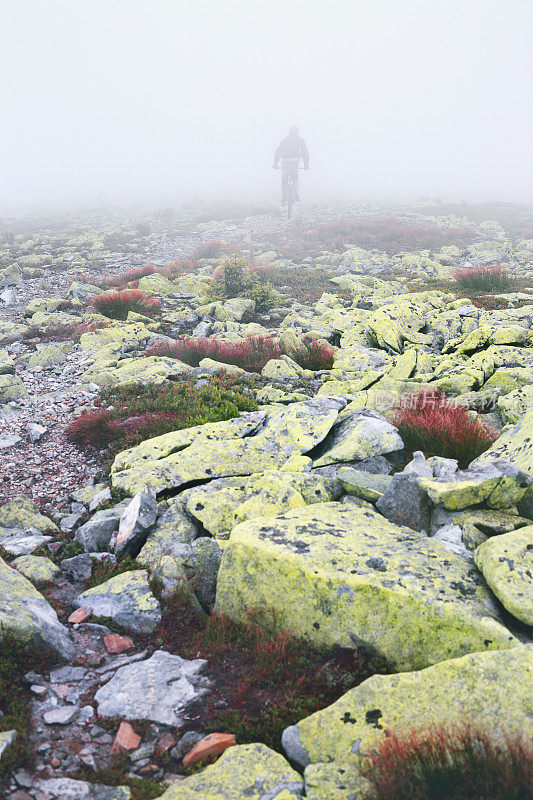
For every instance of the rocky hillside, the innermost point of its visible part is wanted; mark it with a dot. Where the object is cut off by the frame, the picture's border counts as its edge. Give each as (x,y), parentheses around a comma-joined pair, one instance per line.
(266,501)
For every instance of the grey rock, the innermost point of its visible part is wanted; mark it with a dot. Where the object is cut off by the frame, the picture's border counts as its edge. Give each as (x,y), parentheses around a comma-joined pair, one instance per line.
(203,328)
(418,466)
(70,521)
(60,716)
(290,741)
(127,599)
(6,442)
(187,742)
(78,567)
(364,484)
(97,532)
(405,503)
(67,674)
(203,563)
(135,523)
(158,689)
(100,497)
(359,436)
(443,468)
(35,432)
(70,789)
(451,537)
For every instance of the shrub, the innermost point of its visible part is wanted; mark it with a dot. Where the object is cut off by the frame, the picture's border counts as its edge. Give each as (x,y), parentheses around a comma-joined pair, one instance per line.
(452,763)
(130,276)
(129,414)
(250,354)
(317,355)
(494,278)
(236,277)
(210,249)
(117,304)
(428,421)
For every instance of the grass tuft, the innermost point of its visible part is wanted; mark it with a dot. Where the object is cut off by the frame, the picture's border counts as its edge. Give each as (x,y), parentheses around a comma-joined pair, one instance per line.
(117,305)
(452,763)
(429,421)
(494,278)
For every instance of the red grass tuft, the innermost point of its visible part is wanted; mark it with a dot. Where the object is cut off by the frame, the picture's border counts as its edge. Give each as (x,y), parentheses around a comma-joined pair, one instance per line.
(250,354)
(95,428)
(428,421)
(318,355)
(131,276)
(452,763)
(117,304)
(493,278)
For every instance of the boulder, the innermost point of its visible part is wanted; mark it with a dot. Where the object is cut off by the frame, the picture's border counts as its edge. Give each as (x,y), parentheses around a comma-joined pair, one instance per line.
(250,771)
(126,598)
(497,484)
(340,575)
(515,445)
(203,564)
(170,536)
(29,618)
(11,388)
(37,569)
(97,532)
(336,782)
(361,435)
(506,562)
(70,789)
(406,503)
(491,689)
(158,689)
(367,485)
(137,519)
(20,512)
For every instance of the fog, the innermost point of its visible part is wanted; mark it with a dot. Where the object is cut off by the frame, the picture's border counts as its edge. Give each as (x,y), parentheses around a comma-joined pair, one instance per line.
(165,100)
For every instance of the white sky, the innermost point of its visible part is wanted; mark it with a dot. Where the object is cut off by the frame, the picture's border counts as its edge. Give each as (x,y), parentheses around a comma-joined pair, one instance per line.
(160,99)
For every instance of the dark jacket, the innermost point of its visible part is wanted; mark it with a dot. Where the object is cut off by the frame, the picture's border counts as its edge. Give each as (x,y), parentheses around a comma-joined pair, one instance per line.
(292,146)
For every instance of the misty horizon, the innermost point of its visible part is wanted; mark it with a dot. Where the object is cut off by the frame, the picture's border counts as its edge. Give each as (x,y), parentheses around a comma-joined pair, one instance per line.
(162,102)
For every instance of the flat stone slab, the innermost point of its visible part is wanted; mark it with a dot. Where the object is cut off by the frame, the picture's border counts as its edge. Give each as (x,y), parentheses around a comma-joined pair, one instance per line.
(250,771)
(341,575)
(70,789)
(493,689)
(157,689)
(506,562)
(127,599)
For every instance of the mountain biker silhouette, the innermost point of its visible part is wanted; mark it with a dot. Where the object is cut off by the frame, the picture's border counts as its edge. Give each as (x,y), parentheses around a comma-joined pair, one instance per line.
(290,150)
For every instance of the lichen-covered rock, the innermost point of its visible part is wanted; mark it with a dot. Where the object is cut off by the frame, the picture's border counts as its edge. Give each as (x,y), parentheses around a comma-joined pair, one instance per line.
(514,405)
(11,388)
(498,484)
(7,364)
(493,689)
(28,617)
(514,445)
(47,356)
(364,484)
(126,598)
(37,569)
(20,512)
(506,562)
(336,574)
(249,770)
(335,781)
(157,689)
(6,738)
(171,532)
(298,427)
(363,434)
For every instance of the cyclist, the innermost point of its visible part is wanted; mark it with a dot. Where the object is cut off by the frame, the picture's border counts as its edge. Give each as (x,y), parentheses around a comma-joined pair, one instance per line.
(290,150)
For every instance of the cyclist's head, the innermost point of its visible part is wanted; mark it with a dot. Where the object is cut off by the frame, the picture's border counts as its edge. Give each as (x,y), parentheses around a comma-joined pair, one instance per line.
(294,130)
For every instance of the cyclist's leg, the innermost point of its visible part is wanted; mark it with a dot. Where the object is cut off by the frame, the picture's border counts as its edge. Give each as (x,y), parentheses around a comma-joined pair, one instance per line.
(284,181)
(295,180)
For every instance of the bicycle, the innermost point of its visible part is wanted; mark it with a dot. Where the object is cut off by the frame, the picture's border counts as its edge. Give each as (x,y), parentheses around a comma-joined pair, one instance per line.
(290,192)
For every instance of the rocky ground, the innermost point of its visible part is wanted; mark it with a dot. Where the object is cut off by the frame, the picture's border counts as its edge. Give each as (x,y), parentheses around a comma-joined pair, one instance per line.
(156,590)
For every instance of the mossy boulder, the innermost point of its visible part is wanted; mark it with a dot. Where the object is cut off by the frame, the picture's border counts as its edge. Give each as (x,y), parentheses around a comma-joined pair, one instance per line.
(29,618)
(48,356)
(251,771)
(37,569)
(360,435)
(491,689)
(514,445)
(7,364)
(506,562)
(11,388)
(340,575)
(20,512)
(336,781)
(126,598)
(514,405)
